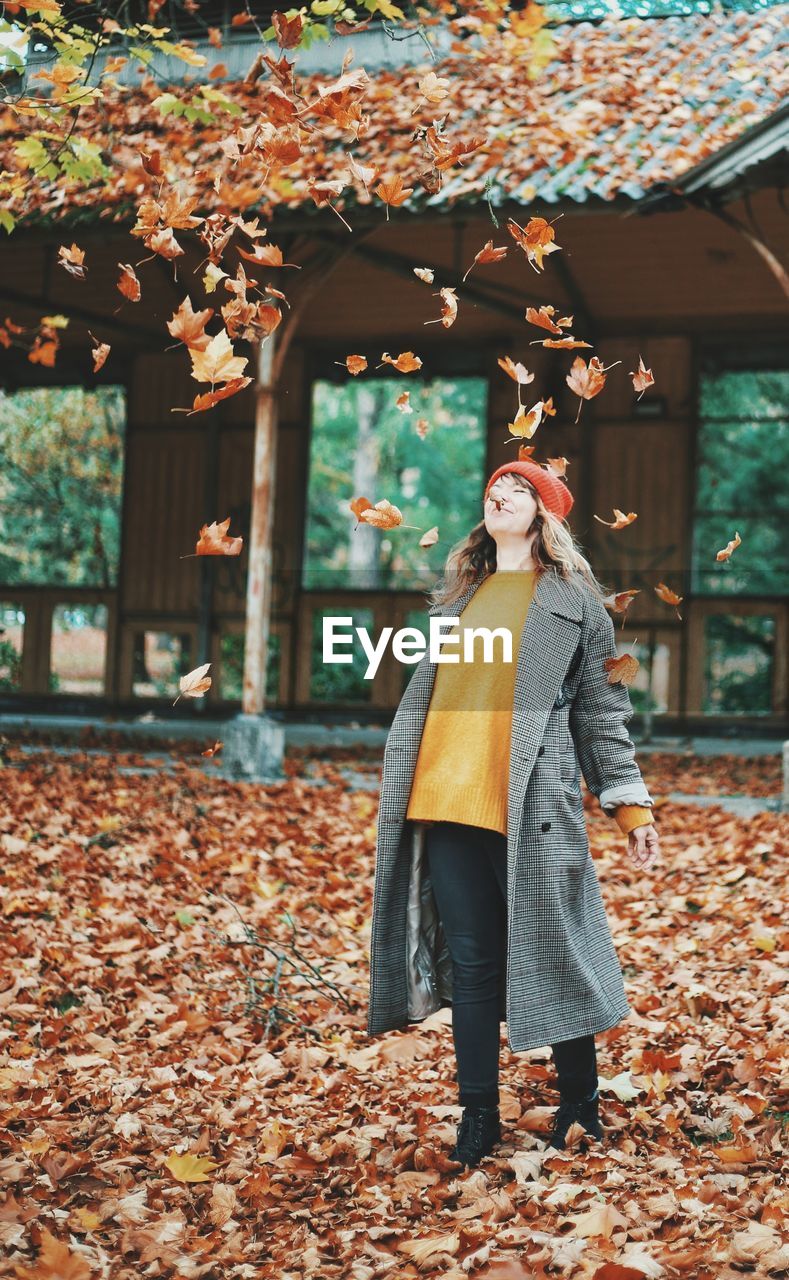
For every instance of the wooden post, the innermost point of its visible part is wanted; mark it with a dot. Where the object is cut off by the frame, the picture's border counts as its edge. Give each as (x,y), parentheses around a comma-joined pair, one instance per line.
(259,592)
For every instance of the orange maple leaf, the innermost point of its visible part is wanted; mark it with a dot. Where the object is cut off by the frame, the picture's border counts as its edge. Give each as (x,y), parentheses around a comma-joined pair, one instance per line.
(623,669)
(189,325)
(620,521)
(488,253)
(392,192)
(642,378)
(73,260)
(216,362)
(214,540)
(406,362)
(587,381)
(354,364)
(526,423)
(518,372)
(536,239)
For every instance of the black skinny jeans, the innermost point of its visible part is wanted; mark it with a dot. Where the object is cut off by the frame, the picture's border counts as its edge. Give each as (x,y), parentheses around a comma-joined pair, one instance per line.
(468,869)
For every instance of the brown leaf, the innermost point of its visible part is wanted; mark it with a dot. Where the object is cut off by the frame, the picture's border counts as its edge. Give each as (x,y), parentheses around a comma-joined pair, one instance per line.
(73,260)
(128,283)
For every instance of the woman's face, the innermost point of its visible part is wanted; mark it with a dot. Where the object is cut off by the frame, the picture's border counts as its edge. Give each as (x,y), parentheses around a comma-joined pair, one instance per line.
(510,507)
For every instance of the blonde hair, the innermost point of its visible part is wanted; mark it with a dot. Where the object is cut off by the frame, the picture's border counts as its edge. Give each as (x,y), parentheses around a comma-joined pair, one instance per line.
(554,549)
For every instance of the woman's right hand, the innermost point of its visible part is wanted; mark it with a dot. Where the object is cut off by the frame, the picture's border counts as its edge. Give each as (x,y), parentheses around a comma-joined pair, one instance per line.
(643,845)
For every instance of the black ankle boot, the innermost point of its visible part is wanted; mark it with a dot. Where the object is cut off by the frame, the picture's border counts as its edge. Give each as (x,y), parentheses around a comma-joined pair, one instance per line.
(584,1110)
(478,1132)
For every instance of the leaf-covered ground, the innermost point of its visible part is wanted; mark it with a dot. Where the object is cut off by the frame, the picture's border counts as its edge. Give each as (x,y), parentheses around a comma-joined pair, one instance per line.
(154,927)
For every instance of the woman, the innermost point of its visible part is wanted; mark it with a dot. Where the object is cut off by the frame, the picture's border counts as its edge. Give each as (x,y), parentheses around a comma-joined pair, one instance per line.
(486,896)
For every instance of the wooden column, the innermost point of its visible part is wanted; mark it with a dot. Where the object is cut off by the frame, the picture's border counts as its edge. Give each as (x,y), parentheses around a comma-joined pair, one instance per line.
(260,534)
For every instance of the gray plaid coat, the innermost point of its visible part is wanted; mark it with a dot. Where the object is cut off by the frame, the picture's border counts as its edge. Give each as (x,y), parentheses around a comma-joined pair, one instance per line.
(562,974)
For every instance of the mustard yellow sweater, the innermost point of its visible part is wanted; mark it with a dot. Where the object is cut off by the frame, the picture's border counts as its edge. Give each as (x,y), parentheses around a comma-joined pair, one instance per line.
(462,770)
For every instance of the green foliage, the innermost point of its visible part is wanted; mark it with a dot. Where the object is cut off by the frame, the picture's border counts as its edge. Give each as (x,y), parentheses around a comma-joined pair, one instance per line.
(61,471)
(437,480)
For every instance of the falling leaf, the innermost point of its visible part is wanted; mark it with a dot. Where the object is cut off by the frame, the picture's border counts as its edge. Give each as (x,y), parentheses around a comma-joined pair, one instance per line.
(620,521)
(406,362)
(189,1167)
(543,318)
(488,254)
(211,398)
(212,751)
(622,670)
(434,88)
(354,364)
(587,382)
(668,596)
(216,362)
(384,515)
(128,284)
(527,422)
(518,372)
(213,274)
(164,243)
(195,683)
(189,326)
(403,402)
(642,378)
(214,540)
(358,505)
(430,538)
(736,541)
(564,344)
(422,427)
(392,192)
(449,308)
(425,273)
(288,30)
(557,466)
(73,260)
(536,239)
(99,351)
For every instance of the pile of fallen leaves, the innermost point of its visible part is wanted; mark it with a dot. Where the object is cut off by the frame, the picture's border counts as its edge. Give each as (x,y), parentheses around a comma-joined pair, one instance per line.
(187,1088)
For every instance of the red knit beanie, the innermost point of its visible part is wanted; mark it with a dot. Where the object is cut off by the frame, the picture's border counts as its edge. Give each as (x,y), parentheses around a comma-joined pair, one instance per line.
(554,492)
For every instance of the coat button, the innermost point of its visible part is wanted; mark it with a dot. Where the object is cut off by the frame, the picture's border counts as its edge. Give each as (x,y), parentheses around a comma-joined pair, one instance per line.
(546,826)
(541,751)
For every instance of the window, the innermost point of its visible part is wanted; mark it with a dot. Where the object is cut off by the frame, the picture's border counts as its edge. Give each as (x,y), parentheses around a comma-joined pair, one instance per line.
(426,455)
(78,652)
(742,483)
(61,475)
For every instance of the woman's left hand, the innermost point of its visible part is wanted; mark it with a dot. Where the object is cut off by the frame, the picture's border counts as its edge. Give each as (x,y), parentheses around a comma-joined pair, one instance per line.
(643,845)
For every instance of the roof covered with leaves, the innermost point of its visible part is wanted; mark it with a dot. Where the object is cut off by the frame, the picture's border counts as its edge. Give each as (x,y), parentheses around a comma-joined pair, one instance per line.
(615,108)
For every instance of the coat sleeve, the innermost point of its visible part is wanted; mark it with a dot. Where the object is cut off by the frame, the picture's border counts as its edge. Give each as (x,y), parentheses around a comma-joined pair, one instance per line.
(599,714)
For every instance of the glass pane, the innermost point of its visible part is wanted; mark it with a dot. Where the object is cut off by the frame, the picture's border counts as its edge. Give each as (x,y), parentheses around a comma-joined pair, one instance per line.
(231,671)
(159,660)
(79,649)
(738,664)
(742,483)
(758,567)
(363,445)
(341,681)
(61,474)
(12,626)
